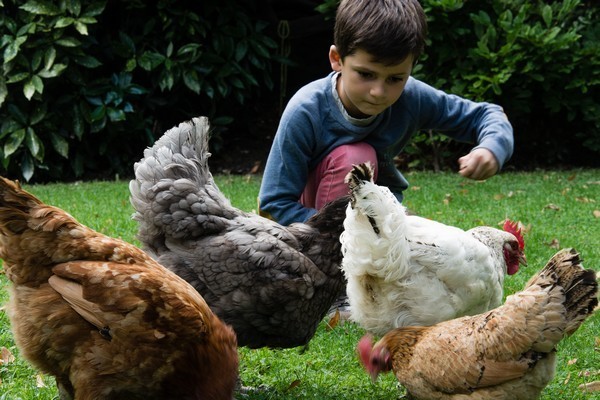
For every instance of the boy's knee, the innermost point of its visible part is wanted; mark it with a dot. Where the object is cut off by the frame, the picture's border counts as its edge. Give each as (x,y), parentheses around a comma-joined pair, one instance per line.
(355,153)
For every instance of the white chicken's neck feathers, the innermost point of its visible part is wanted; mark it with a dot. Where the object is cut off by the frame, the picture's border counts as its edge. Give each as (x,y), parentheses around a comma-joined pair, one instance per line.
(377,219)
(408,270)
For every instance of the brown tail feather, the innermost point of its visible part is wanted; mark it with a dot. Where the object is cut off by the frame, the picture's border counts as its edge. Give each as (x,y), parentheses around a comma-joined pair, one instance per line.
(15,204)
(580,286)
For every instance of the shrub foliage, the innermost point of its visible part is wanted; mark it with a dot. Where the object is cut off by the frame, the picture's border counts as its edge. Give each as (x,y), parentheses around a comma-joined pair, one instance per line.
(86,86)
(540,60)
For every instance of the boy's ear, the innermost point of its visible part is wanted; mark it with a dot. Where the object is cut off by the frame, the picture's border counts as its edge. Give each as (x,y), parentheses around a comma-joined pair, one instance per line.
(335,59)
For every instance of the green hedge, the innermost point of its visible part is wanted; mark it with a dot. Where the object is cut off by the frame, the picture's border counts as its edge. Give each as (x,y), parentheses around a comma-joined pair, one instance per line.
(87,85)
(540,60)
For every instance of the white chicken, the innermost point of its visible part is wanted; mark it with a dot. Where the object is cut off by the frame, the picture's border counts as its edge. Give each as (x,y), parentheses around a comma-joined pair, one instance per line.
(407,270)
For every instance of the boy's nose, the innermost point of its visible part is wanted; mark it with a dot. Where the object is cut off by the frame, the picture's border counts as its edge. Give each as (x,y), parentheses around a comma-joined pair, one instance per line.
(377,90)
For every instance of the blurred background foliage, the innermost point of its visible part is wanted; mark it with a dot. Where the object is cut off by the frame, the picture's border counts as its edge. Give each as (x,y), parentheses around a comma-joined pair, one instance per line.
(87,85)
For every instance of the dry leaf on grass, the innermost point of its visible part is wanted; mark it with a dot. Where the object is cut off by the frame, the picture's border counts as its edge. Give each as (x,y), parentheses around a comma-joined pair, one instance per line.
(334,321)
(294,384)
(555,244)
(590,387)
(584,200)
(39,381)
(596,213)
(571,362)
(447,199)
(6,357)
(551,206)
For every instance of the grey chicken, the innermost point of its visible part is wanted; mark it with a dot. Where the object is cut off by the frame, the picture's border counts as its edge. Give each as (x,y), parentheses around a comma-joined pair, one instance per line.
(273,284)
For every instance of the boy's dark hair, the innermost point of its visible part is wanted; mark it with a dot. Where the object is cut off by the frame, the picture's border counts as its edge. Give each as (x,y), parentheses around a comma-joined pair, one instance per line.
(389,30)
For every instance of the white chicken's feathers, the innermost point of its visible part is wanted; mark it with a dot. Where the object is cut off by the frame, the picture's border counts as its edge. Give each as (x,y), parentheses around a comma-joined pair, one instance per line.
(407,270)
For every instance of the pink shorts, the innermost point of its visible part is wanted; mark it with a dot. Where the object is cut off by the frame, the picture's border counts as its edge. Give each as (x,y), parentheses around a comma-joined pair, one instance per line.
(326,182)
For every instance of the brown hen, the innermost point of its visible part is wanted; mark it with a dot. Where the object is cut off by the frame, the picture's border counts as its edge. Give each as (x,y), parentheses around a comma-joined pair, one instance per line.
(506,353)
(102,317)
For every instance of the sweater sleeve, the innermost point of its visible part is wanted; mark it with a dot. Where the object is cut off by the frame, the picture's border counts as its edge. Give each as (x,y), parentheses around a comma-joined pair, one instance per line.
(287,167)
(480,123)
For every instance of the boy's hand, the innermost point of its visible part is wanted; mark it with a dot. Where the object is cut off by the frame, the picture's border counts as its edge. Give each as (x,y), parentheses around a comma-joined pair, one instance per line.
(479,164)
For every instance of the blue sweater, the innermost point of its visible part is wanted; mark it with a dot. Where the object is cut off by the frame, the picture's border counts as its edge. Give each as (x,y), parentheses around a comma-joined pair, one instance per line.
(312,125)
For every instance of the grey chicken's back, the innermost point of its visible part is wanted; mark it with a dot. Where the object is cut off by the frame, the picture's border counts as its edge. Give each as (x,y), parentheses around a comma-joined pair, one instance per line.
(273,284)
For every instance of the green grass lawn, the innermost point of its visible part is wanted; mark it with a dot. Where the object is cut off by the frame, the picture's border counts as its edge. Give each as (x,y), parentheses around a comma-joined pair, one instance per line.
(560,209)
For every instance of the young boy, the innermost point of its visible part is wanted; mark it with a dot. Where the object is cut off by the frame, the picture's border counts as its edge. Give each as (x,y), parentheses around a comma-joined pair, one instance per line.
(367,109)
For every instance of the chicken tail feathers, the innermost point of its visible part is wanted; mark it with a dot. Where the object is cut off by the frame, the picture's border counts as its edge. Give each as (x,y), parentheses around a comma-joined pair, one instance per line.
(31,233)
(173,192)
(580,286)
(15,204)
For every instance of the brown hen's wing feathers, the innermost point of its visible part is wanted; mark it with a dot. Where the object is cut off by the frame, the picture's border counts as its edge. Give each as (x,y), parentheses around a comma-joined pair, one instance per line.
(503,344)
(130,301)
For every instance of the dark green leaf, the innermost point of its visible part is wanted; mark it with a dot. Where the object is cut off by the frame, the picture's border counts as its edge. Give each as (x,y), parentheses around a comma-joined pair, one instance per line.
(55,71)
(87,61)
(115,114)
(27,166)
(12,49)
(29,89)
(40,7)
(49,57)
(3,91)
(17,77)
(34,144)
(81,28)
(38,114)
(67,42)
(150,60)
(36,60)
(13,142)
(136,90)
(74,6)
(60,144)
(94,9)
(547,15)
(241,50)
(98,114)
(78,123)
(38,84)
(190,79)
(63,22)
(9,125)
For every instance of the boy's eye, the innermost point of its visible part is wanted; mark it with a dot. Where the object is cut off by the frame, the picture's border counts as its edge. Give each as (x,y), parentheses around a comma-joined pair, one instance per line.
(396,79)
(363,74)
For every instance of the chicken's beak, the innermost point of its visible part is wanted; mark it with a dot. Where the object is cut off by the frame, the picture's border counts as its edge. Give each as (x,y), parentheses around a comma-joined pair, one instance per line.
(374,374)
(522,259)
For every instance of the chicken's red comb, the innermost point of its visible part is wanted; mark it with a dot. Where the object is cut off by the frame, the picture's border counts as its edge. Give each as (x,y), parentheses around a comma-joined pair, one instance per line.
(513,227)
(364,348)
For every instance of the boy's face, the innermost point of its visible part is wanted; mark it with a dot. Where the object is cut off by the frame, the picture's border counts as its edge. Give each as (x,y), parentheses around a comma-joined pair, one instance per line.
(366,87)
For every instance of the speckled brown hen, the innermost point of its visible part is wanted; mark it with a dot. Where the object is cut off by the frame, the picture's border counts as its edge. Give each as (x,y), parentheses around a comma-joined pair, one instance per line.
(272,283)
(102,317)
(507,353)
